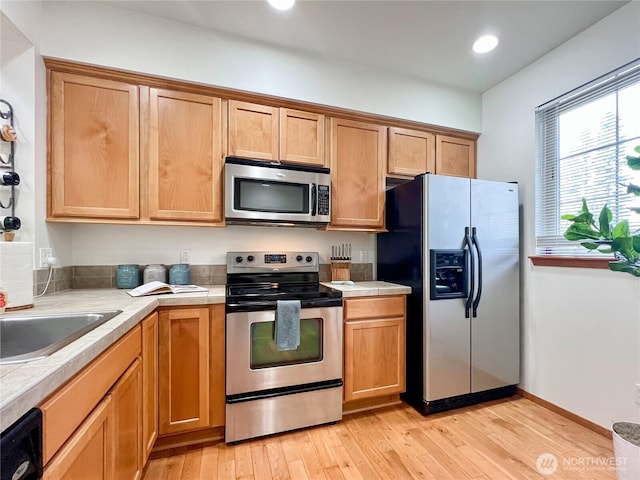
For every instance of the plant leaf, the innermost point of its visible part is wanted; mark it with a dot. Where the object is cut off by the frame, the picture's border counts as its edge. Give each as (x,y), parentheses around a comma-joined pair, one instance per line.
(621,229)
(585,209)
(589,245)
(636,243)
(581,231)
(624,245)
(637,210)
(625,267)
(605,220)
(635,189)
(585,218)
(634,162)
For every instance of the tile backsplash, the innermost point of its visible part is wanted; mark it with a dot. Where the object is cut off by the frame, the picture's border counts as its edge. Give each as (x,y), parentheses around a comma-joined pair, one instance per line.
(104,276)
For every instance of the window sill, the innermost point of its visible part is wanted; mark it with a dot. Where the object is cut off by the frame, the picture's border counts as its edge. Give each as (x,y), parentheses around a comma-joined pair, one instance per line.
(573,262)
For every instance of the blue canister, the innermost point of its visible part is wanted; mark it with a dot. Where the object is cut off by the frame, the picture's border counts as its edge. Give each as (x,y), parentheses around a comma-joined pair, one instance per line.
(180,274)
(127,276)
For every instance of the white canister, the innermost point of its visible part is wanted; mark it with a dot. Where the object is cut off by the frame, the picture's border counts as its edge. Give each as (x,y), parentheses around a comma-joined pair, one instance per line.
(155,272)
(626,446)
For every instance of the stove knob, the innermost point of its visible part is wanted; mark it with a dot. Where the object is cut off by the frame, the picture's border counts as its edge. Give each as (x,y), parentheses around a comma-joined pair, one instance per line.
(250,258)
(309,259)
(299,258)
(238,259)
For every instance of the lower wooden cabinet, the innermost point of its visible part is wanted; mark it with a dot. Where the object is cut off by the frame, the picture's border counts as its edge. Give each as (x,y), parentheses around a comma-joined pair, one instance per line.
(127,423)
(149,384)
(89,452)
(191,381)
(374,347)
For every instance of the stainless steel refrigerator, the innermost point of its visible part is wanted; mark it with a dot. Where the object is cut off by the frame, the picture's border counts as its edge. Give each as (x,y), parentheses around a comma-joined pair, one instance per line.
(455,241)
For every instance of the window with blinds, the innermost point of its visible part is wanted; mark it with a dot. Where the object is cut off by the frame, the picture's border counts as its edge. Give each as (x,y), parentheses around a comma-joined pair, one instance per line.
(583,138)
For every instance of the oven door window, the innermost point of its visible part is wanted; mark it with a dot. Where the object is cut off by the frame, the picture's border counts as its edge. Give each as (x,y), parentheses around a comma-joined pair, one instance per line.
(265,353)
(270,196)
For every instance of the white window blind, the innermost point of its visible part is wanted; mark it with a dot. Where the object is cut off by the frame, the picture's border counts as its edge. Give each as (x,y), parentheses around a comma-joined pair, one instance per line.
(583,138)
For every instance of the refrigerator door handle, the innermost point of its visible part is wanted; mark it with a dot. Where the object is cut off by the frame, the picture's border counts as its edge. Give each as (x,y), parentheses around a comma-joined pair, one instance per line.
(476,301)
(471,273)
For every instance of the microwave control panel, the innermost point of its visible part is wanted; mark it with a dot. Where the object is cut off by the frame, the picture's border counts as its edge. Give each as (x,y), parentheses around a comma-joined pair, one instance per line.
(323,199)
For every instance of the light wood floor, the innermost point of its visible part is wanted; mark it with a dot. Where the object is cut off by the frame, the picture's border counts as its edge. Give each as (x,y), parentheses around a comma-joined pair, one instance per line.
(497,440)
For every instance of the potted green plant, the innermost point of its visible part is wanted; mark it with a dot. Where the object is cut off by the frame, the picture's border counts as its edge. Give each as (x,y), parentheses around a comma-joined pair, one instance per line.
(625,246)
(605,237)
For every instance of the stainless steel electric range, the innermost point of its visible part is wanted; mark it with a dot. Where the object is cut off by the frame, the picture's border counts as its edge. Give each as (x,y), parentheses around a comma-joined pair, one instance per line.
(269,390)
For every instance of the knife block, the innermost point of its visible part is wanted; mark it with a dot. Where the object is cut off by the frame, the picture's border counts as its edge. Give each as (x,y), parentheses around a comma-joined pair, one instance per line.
(340,271)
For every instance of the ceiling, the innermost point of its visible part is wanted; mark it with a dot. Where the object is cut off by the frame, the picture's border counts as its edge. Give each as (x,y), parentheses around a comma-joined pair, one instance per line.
(430,40)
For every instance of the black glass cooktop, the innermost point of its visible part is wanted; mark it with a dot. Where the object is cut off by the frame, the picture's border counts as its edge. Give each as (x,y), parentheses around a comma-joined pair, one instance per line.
(264,292)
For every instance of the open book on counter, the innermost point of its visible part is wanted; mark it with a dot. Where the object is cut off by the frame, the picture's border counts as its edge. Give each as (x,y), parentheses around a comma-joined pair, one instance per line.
(156,288)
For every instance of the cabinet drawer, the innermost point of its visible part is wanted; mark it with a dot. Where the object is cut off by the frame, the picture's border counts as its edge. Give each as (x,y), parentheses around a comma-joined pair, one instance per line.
(65,410)
(373,307)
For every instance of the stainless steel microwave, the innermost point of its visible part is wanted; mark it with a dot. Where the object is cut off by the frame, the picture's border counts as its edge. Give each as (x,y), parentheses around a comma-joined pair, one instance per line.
(258,192)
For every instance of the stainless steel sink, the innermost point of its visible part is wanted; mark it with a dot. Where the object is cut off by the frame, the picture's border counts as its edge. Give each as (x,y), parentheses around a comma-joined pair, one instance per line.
(29,337)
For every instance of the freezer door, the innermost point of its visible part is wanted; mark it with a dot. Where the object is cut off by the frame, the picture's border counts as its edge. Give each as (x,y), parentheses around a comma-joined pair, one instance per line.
(495,330)
(446,330)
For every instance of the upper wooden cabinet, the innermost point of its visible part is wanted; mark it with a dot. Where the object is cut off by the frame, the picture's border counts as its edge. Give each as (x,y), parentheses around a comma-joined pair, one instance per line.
(302,137)
(184,154)
(93,132)
(411,152)
(455,156)
(276,134)
(357,153)
(253,130)
(128,153)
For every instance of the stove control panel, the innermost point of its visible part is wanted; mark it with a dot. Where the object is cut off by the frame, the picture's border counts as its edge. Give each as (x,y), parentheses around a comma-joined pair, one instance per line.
(272,261)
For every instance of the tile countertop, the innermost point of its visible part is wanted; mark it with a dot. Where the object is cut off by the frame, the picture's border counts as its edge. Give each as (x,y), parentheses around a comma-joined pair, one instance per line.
(24,385)
(368,289)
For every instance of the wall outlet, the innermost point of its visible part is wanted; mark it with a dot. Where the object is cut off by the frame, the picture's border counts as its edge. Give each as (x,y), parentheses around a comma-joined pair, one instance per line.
(637,393)
(185,256)
(364,256)
(45,254)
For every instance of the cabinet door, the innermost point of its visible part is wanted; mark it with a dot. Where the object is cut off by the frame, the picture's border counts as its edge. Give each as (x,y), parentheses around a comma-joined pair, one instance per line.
(455,156)
(149,384)
(94,169)
(411,152)
(374,358)
(217,384)
(358,153)
(301,137)
(127,420)
(253,130)
(184,370)
(89,452)
(184,156)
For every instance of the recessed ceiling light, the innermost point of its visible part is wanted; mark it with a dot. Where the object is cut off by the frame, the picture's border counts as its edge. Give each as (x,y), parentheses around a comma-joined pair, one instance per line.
(282,4)
(485,44)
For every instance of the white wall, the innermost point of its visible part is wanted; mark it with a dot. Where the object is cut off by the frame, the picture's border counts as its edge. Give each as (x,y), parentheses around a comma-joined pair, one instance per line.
(22,83)
(580,327)
(109,36)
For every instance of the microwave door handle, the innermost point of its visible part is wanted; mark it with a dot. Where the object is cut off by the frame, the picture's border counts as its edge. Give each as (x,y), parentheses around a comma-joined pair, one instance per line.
(314,200)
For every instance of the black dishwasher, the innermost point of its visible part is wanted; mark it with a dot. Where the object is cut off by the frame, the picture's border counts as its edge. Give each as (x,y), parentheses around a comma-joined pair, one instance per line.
(21,448)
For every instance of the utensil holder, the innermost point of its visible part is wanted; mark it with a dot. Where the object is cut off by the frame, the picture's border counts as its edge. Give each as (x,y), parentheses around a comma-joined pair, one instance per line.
(340,271)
